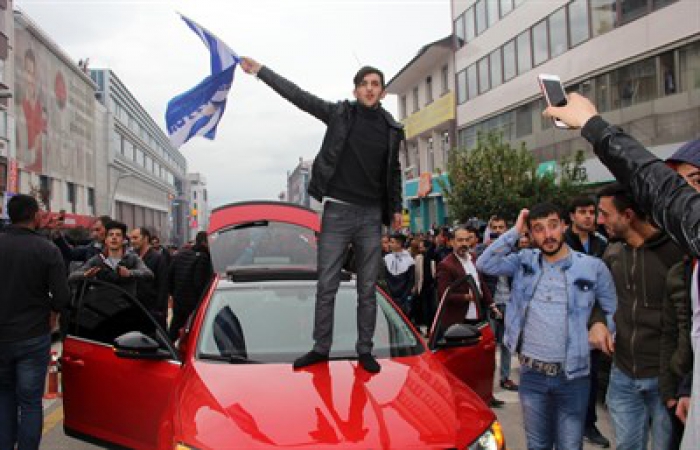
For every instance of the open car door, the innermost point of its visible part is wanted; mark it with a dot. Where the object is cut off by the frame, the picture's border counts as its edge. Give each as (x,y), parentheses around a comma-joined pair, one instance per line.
(465,346)
(118,368)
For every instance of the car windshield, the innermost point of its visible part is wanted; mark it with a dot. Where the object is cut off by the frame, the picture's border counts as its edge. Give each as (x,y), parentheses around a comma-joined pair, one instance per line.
(263,243)
(273,322)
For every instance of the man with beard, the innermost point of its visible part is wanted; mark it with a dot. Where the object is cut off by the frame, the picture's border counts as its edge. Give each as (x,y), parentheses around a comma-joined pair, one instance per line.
(554,289)
(153,292)
(582,237)
(640,263)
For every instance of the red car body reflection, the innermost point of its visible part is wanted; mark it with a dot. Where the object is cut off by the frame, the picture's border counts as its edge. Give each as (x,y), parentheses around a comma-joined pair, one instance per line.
(182,401)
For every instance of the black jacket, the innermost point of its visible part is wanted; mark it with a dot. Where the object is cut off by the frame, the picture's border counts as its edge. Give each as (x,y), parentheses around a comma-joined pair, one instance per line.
(190,274)
(32,283)
(339,117)
(153,292)
(671,202)
(596,246)
(131,261)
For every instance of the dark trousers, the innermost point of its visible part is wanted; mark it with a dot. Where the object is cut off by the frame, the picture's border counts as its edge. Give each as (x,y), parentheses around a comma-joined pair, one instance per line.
(23,367)
(591,415)
(344,224)
(181,313)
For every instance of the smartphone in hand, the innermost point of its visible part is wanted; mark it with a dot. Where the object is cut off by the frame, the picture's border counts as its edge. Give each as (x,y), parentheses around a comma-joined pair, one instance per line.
(554,94)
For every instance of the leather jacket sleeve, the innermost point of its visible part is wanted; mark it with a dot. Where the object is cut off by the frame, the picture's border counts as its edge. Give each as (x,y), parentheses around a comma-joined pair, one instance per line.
(396,205)
(319,108)
(673,205)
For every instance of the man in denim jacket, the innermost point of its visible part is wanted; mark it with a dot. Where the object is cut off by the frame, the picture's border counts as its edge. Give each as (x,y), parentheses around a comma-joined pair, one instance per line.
(554,289)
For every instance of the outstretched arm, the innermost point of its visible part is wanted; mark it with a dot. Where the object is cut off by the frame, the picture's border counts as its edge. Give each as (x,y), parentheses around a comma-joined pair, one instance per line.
(303,100)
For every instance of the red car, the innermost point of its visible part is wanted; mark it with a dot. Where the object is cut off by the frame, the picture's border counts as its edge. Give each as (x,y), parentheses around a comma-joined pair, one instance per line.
(229,382)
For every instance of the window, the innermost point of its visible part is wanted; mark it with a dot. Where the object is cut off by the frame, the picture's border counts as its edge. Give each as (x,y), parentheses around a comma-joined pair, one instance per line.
(540,45)
(472,82)
(469,26)
(491,12)
(496,68)
(602,16)
(509,64)
(506,6)
(91,200)
(194,196)
(428,90)
(523,121)
(445,77)
(558,40)
(404,108)
(416,105)
(483,67)
(602,93)
(632,84)
(524,52)
(480,12)
(70,195)
(669,80)
(578,22)
(462,87)
(459,31)
(633,9)
(662,3)
(690,67)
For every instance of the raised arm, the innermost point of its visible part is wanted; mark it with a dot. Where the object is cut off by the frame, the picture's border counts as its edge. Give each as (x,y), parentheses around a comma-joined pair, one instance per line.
(498,259)
(319,108)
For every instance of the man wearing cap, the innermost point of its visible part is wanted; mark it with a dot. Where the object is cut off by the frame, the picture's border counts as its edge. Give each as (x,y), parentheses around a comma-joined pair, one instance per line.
(358,177)
(677,329)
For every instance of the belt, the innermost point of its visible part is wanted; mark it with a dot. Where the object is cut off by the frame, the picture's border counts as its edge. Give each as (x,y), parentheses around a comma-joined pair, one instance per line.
(548,368)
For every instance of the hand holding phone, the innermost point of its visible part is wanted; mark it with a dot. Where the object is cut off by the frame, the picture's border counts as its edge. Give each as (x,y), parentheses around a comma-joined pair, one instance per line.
(554,94)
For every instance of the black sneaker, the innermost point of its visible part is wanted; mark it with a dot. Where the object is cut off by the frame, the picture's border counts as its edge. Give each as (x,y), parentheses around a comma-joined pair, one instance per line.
(310,358)
(593,436)
(368,363)
(496,403)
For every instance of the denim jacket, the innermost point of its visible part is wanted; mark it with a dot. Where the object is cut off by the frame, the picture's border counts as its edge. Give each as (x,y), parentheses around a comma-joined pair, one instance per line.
(588,280)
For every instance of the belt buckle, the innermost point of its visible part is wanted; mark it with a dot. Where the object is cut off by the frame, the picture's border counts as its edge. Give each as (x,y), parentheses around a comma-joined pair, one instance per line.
(551,370)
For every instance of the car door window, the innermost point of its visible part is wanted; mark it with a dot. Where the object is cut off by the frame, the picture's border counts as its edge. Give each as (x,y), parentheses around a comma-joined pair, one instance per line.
(102,312)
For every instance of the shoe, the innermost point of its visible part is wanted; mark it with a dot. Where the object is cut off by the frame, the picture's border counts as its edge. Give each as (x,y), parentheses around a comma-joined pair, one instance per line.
(593,436)
(496,403)
(509,385)
(368,363)
(310,358)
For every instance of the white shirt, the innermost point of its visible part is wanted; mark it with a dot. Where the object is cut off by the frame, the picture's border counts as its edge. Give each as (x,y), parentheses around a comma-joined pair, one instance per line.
(470,268)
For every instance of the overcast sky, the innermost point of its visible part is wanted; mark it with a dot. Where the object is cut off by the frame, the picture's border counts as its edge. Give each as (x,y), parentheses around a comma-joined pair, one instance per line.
(318,44)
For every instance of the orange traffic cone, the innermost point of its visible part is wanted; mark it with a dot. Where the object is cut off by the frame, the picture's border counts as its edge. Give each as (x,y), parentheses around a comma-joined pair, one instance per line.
(52,378)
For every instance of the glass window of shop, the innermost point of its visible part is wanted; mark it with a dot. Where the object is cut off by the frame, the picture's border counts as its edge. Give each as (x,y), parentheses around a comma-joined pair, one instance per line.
(492,12)
(633,9)
(558,39)
(509,63)
(472,82)
(540,44)
(496,68)
(506,6)
(524,50)
(523,121)
(461,87)
(634,83)
(459,31)
(667,74)
(602,92)
(480,12)
(579,30)
(469,26)
(603,16)
(483,67)
(690,67)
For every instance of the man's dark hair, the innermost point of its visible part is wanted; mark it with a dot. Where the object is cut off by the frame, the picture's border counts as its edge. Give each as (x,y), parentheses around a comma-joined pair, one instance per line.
(497,218)
(113,224)
(145,233)
(542,210)
(104,220)
(581,201)
(366,70)
(622,199)
(469,227)
(201,238)
(22,208)
(399,237)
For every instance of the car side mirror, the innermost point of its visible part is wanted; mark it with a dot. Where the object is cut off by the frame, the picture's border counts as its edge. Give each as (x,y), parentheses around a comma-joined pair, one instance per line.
(460,335)
(136,345)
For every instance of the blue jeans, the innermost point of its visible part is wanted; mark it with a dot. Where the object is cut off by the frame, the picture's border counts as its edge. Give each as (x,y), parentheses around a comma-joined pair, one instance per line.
(633,404)
(499,327)
(341,225)
(23,367)
(554,410)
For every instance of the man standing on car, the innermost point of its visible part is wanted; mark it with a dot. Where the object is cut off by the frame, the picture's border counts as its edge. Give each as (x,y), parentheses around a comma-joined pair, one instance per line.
(358,177)
(554,290)
(33,289)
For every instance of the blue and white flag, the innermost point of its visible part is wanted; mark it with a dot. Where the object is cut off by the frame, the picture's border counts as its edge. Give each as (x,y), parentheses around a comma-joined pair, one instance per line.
(198,111)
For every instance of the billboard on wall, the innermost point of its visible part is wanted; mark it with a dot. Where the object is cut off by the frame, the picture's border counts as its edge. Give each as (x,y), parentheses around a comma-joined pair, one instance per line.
(55,115)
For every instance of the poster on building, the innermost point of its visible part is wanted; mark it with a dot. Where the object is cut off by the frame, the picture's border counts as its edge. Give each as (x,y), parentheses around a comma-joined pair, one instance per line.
(55,113)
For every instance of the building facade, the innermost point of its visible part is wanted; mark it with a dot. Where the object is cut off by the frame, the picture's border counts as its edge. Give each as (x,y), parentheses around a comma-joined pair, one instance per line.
(426,104)
(637,60)
(142,180)
(7,106)
(199,204)
(298,185)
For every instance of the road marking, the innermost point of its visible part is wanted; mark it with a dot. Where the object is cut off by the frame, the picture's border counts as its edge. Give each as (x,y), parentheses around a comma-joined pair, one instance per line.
(52,420)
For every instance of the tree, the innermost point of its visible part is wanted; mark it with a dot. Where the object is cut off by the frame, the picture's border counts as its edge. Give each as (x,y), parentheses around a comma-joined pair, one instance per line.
(496,178)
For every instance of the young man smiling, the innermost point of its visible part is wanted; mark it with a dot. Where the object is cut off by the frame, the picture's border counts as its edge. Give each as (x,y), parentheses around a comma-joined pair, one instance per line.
(358,177)
(554,289)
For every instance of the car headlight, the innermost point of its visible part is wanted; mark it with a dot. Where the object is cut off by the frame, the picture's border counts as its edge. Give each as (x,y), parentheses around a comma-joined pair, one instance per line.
(492,439)
(182,446)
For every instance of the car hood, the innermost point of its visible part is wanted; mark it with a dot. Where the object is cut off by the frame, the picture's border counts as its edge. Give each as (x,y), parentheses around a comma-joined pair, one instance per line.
(411,403)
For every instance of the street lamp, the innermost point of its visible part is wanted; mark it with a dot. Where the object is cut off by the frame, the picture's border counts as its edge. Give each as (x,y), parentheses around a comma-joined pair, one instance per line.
(112,204)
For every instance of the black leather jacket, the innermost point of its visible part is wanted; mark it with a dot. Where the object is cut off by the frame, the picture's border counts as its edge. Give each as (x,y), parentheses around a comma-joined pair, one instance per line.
(339,117)
(673,204)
